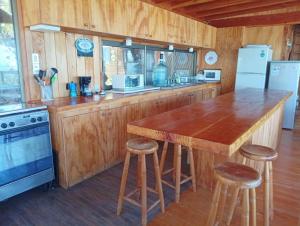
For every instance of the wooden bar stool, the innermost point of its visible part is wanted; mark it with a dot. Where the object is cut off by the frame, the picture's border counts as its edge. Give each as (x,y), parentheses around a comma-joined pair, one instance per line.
(177,169)
(141,147)
(240,177)
(266,155)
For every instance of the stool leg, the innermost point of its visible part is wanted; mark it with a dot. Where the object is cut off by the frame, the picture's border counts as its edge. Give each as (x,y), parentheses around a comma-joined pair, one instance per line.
(214,205)
(245,213)
(178,172)
(174,163)
(192,169)
(271,191)
(163,157)
(253,205)
(138,177)
(158,182)
(222,204)
(144,189)
(123,183)
(232,205)
(267,195)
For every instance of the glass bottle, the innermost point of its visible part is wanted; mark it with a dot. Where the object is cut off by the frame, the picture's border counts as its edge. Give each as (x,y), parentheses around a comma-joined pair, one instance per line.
(160,73)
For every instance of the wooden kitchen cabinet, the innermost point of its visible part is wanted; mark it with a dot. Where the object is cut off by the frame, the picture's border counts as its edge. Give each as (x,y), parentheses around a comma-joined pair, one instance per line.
(132,18)
(91,138)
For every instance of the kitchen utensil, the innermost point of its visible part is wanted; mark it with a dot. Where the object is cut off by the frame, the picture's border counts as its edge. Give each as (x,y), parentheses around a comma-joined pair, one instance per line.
(54,74)
(73,89)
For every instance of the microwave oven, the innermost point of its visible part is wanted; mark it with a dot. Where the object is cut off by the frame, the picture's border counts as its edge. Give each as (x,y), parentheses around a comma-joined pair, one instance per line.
(212,75)
(127,82)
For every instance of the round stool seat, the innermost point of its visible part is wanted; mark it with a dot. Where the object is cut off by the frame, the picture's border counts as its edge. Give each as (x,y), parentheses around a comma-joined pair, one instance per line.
(237,174)
(258,152)
(142,146)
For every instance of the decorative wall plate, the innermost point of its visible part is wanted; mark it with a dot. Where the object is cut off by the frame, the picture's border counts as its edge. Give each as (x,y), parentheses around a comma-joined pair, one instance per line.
(211,57)
(85,47)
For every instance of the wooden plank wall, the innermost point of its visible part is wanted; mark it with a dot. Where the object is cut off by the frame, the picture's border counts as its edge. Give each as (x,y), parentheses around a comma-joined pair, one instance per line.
(58,50)
(229,40)
(276,36)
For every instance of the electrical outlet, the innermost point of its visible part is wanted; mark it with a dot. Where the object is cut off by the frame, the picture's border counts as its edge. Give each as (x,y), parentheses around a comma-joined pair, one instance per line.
(35,63)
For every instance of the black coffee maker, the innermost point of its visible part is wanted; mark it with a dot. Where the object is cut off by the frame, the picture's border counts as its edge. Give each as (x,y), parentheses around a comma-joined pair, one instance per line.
(84,83)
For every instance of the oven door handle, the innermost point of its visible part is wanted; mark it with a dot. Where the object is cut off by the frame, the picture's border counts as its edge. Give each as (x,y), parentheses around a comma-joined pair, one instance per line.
(11,137)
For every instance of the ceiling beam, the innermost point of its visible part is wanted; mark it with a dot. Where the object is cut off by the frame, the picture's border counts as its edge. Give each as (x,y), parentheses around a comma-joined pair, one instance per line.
(216,5)
(247,11)
(238,7)
(263,20)
(182,4)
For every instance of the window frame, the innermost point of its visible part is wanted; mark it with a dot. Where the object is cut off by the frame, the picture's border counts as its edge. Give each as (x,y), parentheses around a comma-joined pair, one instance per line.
(147,47)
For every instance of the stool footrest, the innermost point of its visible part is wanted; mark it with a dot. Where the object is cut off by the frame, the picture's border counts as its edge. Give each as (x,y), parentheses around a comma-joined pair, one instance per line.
(134,202)
(168,171)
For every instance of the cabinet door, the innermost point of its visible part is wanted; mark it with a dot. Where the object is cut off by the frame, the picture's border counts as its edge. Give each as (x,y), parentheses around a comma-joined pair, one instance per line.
(209,36)
(196,96)
(81,146)
(138,20)
(157,24)
(173,27)
(110,16)
(75,14)
(191,32)
(50,11)
(199,34)
(113,133)
(31,12)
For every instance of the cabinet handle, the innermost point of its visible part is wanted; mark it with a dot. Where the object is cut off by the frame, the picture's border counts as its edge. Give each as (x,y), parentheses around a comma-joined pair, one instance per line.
(85,24)
(93,26)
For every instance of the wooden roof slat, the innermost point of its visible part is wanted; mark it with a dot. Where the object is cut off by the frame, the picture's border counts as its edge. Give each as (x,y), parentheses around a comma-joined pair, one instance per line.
(253,10)
(264,20)
(238,7)
(216,5)
(188,3)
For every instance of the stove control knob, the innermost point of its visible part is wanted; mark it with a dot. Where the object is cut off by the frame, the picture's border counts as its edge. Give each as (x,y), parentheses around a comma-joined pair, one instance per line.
(12,124)
(3,125)
(33,120)
(39,119)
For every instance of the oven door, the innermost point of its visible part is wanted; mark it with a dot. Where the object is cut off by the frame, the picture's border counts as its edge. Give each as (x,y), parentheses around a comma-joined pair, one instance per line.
(24,152)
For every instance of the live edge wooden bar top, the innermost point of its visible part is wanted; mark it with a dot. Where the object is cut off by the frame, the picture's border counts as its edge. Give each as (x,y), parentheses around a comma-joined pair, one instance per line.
(219,126)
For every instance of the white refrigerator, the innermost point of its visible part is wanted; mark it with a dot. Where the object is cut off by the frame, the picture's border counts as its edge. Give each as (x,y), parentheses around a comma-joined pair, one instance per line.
(284,75)
(252,66)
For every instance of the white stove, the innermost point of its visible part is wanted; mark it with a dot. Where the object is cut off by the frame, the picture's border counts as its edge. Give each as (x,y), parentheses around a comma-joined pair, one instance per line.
(26,159)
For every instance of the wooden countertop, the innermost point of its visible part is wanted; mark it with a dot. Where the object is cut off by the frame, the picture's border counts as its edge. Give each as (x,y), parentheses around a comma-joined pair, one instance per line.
(116,99)
(219,124)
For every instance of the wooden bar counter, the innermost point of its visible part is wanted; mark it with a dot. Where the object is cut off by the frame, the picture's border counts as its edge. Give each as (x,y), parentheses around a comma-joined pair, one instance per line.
(89,134)
(218,127)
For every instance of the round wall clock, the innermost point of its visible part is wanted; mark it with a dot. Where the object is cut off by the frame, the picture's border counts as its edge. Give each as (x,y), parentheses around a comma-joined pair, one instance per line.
(84,47)
(211,57)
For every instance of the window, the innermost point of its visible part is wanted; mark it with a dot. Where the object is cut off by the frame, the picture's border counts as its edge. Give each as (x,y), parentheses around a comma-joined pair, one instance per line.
(119,59)
(10,84)
(139,59)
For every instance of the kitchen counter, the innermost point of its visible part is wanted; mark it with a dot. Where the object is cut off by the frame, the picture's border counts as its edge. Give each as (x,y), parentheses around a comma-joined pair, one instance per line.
(219,127)
(112,99)
(89,135)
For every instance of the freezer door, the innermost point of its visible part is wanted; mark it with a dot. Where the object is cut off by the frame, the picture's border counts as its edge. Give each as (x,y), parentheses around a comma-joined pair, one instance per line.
(244,80)
(253,60)
(285,76)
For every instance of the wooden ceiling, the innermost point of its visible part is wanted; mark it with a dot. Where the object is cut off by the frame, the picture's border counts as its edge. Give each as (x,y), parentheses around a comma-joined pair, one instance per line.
(230,13)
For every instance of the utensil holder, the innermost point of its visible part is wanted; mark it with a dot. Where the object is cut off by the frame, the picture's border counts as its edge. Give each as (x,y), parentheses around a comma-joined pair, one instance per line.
(46,93)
